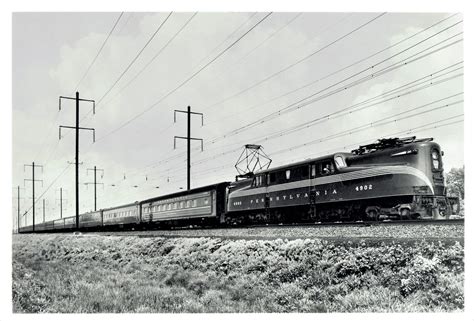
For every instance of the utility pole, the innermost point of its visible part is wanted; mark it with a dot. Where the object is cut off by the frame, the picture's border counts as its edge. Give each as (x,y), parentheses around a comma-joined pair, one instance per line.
(77,128)
(189,138)
(95,169)
(18,208)
(60,202)
(33,180)
(44,216)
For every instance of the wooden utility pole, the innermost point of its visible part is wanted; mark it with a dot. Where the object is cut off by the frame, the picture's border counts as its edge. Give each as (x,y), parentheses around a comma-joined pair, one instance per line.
(95,169)
(77,128)
(33,180)
(189,138)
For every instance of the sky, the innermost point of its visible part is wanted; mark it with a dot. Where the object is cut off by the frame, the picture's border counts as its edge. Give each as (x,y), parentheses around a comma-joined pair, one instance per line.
(300,84)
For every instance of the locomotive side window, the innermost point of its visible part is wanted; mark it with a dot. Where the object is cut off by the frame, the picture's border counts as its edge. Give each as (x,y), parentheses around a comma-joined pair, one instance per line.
(259,181)
(288,174)
(313,170)
(272,177)
(304,172)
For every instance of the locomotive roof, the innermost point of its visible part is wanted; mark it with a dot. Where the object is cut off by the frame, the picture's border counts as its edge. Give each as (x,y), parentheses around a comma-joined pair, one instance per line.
(380,145)
(308,160)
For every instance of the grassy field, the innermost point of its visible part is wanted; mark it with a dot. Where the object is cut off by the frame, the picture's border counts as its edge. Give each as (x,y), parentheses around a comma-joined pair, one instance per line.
(75,274)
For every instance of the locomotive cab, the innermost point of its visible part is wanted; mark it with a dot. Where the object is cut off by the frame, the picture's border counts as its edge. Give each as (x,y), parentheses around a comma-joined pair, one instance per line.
(421,160)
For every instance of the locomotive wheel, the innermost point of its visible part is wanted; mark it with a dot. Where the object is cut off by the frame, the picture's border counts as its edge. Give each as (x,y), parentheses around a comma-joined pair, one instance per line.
(405,214)
(372,214)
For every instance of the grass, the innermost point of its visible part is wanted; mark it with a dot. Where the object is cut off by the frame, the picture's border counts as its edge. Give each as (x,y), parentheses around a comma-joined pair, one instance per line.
(93,274)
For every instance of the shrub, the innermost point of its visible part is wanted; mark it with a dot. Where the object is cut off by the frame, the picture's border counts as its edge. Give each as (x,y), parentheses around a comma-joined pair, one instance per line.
(421,275)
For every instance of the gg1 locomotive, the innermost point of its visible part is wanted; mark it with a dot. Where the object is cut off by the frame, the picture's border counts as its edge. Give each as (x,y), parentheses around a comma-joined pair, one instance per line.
(395,178)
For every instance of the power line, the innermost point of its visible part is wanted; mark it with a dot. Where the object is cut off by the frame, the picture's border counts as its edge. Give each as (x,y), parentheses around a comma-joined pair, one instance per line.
(227,38)
(338,149)
(297,62)
(77,86)
(381,122)
(438,125)
(295,105)
(134,59)
(185,81)
(152,59)
(50,185)
(166,96)
(241,59)
(328,116)
(360,105)
(339,113)
(355,63)
(350,130)
(100,50)
(373,75)
(325,118)
(346,67)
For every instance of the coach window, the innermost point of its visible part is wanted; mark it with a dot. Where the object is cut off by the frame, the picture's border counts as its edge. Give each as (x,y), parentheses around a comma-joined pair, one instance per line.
(188,203)
(194,203)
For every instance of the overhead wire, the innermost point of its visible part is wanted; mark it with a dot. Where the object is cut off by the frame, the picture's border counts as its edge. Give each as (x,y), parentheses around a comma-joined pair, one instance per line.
(297,62)
(345,67)
(437,124)
(151,60)
(100,50)
(221,53)
(182,83)
(399,64)
(304,102)
(134,59)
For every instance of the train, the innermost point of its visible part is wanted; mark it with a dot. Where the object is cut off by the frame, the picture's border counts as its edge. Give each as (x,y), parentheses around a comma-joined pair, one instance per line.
(391,179)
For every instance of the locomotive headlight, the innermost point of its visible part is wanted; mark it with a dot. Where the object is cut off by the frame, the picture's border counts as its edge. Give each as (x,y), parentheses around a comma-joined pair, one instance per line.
(435,158)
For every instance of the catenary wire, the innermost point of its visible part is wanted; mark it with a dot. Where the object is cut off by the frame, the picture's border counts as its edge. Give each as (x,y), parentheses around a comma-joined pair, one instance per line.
(182,83)
(98,53)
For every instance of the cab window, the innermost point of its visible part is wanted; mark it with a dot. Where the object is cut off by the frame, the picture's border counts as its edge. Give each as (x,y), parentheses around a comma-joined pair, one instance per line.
(340,163)
(325,168)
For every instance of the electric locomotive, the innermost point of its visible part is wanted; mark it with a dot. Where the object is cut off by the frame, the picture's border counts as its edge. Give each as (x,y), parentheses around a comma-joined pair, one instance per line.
(395,178)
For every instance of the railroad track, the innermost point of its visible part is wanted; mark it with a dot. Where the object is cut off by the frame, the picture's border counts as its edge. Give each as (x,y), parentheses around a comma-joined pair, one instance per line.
(357,223)
(446,231)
